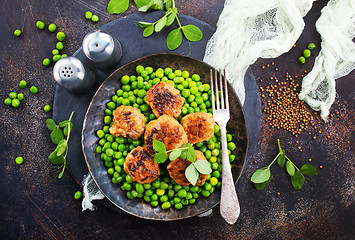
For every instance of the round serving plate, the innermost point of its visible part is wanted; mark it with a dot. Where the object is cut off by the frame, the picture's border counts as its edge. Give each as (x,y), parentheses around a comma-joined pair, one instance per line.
(93,121)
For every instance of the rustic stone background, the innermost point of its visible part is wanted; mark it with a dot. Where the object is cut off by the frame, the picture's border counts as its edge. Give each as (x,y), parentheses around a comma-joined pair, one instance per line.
(37,205)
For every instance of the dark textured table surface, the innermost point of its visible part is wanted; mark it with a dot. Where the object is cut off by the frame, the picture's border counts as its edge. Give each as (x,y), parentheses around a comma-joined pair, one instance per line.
(37,205)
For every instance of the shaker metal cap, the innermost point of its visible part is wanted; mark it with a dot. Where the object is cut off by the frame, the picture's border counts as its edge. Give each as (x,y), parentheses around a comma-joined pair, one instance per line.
(70,73)
(98,46)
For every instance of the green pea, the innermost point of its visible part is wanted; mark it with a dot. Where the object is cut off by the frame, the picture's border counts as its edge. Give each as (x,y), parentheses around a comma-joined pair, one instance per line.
(192,85)
(64,55)
(125,79)
(17,32)
(78,195)
(185,84)
(139,188)
(22,84)
(177,187)
(129,195)
(194,90)
(185,74)
(195,194)
(148,86)
(160,192)
(15,102)
(213,159)
(185,202)
(178,206)
(190,110)
(216,174)
(149,70)
(12,95)
(156,184)
(166,205)
(107,119)
(164,198)
(102,142)
(182,193)
(231,158)
(19,160)
(191,98)
(311,46)
(47,108)
(119,92)
(111,105)
(231,146)
(52,27)
(205,193)
(95,18)
(8,101)
(213,181)
(56,58)
(88,15)
(214,166)
(301,60)
(306,53)
(40,25)
(154,203)
(60,36)
(59,45)
(164,185)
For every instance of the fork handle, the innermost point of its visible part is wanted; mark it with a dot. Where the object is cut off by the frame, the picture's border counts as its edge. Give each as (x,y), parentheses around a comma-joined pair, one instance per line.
(229,208)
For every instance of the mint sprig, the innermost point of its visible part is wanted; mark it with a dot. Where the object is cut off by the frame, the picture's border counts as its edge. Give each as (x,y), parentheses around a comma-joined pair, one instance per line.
(261,177)
(174,39)
(193,171)
(58,156)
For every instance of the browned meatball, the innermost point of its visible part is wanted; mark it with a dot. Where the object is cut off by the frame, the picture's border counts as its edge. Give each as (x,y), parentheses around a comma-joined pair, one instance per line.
(127,122)
(141,166)
(165,129)
(177,169)
(199,127)
(163,98)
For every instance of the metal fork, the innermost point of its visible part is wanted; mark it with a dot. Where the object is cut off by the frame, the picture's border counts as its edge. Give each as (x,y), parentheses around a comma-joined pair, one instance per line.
(229,208)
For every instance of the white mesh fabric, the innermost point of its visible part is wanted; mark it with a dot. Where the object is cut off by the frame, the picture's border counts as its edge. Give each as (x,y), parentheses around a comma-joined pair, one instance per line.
(91,192)
(249,29)
(336,26)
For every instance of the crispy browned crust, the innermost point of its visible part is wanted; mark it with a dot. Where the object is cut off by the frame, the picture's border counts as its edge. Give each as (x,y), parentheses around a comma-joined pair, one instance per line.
(127,122)
(163,98)
(167,130)
(141,166)
(199,127)
(177,169)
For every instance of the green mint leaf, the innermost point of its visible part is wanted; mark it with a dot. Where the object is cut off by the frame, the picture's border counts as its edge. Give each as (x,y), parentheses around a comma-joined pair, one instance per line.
(186,145)
(148,30)
(183,154)
(146,7)
(261,186)
(290,168)
(57,135)
(51,124)
(261,175)
(141,3)
(61,147)
(159,146)
(64,123)
(160,24)
(191,154)
(191,174)
(53,158)
(167,4)
(192,33)
(160,157)
(171,17)
(308,170)
(174,39)
(117,6)
(281,158)
(144,24)
(66,128)
(297,180)
(202,166)
(175,154)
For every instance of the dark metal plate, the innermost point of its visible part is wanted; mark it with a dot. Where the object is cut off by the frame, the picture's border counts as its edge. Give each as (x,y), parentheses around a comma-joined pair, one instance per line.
(93,121)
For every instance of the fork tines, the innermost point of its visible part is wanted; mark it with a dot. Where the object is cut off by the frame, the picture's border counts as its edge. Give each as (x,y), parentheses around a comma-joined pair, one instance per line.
(214,83)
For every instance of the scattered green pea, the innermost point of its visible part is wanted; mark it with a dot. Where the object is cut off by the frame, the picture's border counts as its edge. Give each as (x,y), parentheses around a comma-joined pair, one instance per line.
(52,27)
(22,84)
(46,62)
(12,95)
(78,195)
(33,90)
(40,25)
(311,46)
(59,45)
(95,18)
(306,53)
(60,36)
(301,60)
(19,160)
(47,108)
(15,102)
(20,96)
(55,52)
(88,15)
(64,55)
(56,58)
(8,101)
(17,32)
